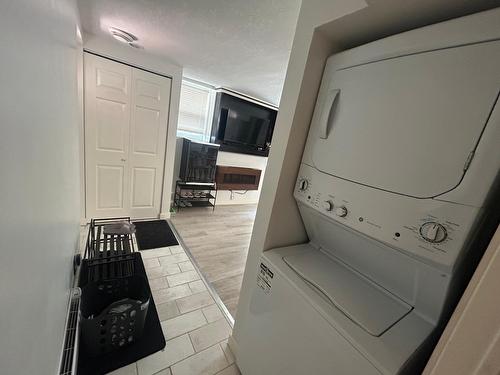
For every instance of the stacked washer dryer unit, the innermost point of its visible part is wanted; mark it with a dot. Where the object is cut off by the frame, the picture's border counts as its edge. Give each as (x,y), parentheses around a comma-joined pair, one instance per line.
(401,160)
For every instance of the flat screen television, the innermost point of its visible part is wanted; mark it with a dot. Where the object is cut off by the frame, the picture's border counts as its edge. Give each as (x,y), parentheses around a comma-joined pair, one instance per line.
(242,126)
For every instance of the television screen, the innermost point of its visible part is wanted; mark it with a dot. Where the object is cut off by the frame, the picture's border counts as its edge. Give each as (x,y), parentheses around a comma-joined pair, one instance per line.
(245,128)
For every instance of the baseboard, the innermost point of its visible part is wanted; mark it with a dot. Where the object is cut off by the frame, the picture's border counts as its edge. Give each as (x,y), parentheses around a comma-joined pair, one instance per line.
(165,215)
(233,345)
(235,203)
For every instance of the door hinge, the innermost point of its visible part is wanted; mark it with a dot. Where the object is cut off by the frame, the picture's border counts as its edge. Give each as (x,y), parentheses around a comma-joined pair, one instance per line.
(469,160)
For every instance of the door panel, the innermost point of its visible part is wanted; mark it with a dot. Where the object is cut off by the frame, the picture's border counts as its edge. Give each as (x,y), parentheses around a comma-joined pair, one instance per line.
(126,111)
(112,83)
(109,187)
(111,121)
(146,130)
(107,128)
(149,111)
(143,187)
(408,124)
(148,91)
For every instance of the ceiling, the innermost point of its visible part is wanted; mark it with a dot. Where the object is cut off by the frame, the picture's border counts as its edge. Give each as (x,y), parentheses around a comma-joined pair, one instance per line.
(243,45)
(382,18)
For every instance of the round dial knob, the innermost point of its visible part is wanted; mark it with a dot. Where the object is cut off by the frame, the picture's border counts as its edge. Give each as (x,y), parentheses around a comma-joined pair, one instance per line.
(341,211)
(303,184)
(328,205)
(433,232)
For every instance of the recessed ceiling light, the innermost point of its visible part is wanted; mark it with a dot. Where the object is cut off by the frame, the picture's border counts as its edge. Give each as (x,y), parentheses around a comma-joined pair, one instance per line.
(122,36)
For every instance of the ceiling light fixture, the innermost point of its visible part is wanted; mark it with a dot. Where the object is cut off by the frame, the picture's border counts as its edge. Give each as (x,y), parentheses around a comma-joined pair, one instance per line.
(123,36)
(135,45)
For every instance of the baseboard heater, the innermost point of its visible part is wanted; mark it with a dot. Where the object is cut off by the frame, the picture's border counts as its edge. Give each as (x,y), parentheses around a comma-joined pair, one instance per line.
(69,356)
(237,178)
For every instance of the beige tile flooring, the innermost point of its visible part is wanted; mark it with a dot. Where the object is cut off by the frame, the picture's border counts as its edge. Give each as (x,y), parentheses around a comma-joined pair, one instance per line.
(194,327)
(218,241)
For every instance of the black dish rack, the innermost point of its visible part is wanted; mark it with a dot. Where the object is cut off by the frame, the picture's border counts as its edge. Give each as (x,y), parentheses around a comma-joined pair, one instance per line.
(108,255)
(115,299)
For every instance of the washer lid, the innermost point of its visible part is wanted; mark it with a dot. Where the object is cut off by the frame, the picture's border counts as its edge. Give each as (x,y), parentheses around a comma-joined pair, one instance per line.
(365,303)
(408,124)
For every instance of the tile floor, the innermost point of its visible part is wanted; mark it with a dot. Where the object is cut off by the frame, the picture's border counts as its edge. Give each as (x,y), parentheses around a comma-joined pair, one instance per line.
(218,240)
(194,327)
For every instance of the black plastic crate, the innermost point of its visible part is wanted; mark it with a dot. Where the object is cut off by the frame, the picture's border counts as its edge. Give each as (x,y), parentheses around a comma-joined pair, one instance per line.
(113,313)
(152,336)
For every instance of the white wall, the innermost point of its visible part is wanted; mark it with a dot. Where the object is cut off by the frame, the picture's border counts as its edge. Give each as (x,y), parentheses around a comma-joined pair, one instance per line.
(39,174)
(245,161)
(323,28)
(142,59)
(277,221)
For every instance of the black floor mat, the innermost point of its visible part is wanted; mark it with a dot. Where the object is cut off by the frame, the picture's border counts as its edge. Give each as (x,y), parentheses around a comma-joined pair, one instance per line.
(151,341)
(153,234)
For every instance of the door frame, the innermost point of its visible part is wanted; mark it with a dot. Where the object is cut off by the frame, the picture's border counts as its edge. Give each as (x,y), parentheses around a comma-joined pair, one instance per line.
(140,60)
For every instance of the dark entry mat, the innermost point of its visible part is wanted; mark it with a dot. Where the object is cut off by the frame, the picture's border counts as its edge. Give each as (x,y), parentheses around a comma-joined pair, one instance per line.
(152,339)
(153,234)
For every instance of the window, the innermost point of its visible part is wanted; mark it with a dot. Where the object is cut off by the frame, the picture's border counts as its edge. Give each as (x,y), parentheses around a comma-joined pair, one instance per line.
(195,112)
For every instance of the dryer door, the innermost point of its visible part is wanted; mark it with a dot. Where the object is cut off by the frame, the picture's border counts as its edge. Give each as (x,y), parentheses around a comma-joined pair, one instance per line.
(407,124)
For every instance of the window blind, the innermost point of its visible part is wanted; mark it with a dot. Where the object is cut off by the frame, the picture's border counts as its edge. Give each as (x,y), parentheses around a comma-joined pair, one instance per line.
(193,111)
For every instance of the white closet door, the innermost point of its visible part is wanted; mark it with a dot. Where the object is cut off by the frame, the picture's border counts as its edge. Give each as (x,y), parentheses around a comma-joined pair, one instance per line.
(126,112)
(107,136)
(148,135)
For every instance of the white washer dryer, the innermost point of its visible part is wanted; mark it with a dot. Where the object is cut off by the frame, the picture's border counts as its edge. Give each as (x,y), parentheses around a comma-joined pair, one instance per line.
(401,163)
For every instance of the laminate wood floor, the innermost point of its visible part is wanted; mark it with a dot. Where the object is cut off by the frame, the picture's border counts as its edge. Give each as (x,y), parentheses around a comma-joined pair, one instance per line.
(218,240)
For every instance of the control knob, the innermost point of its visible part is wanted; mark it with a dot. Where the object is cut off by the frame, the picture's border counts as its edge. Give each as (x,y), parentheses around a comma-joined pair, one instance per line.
(433,232)
(328,205)
(303,184)
(341,211)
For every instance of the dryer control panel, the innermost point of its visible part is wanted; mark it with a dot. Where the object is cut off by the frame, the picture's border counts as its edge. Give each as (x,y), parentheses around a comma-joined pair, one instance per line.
(432,230)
